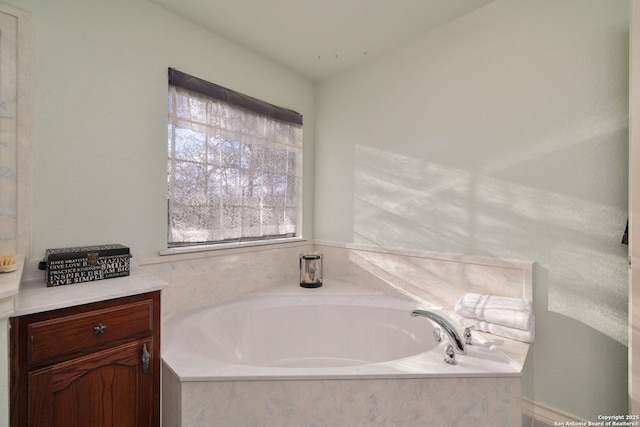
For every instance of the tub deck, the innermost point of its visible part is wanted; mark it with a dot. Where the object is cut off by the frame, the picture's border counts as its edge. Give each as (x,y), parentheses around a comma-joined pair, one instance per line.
(484,388)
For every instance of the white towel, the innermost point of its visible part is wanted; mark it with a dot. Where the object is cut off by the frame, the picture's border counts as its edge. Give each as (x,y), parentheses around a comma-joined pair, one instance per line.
(514,313)
(503,331)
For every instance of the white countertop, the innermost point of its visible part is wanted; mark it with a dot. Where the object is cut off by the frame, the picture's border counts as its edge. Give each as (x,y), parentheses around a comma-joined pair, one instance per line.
(34,295)
(10,282)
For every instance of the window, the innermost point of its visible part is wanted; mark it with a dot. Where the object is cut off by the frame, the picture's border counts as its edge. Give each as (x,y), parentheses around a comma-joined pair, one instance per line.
(234,166)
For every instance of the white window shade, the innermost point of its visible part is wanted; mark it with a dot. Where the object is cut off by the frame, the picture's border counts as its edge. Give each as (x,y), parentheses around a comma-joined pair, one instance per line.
(233,174)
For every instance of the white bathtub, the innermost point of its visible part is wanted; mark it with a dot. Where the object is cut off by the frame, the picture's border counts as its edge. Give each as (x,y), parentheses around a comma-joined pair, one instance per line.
(241,357)
(316,333)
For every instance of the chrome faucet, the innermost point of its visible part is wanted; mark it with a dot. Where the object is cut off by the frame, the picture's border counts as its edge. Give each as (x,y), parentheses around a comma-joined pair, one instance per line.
(456,342)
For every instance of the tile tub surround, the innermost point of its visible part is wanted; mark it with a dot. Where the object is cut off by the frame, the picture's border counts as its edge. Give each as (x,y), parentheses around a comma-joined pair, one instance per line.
(438,278)
(208,278)
(205,278)
(409,402)
(421,390)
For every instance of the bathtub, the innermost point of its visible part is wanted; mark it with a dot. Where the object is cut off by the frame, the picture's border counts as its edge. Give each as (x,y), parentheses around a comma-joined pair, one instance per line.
(320,357)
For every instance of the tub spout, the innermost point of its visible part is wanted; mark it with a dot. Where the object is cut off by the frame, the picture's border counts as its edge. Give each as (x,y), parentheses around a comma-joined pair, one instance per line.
(456,342)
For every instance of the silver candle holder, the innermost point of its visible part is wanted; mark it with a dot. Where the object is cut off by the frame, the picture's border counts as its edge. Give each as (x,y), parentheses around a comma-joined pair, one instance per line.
(310,270)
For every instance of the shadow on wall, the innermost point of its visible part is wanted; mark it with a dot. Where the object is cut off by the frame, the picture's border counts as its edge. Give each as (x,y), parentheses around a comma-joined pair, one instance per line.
(405,202)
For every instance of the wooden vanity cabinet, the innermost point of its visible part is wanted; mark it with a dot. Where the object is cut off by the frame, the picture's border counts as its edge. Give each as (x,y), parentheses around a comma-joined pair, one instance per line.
(95,365)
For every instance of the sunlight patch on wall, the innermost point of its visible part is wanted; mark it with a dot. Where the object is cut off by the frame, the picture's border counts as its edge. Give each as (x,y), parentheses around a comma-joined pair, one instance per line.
(403,202)
(441,279)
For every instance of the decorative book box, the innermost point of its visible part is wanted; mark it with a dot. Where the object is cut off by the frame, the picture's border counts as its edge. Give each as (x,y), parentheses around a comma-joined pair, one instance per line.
(65,266)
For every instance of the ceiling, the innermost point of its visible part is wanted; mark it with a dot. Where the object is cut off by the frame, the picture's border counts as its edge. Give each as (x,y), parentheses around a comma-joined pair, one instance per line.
(320,38)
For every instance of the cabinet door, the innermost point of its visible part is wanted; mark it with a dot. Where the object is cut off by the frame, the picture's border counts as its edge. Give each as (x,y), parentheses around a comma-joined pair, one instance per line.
(110,388)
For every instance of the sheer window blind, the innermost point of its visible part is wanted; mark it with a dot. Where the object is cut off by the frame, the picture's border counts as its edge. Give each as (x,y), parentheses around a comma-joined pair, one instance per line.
(234,166)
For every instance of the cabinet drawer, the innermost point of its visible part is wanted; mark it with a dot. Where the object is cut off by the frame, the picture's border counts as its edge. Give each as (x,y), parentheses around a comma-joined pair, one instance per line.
(80,333)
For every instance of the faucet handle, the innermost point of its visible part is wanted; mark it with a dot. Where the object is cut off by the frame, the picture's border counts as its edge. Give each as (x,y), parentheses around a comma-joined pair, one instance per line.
(467,335)
(450,355)
(438,334)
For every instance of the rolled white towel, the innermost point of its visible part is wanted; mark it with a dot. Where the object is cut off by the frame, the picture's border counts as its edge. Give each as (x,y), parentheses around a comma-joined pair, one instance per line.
(511,312)
(503,331)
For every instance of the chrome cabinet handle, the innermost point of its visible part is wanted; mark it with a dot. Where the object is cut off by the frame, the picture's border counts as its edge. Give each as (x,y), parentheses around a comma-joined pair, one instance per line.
(97,330)
(146,357)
